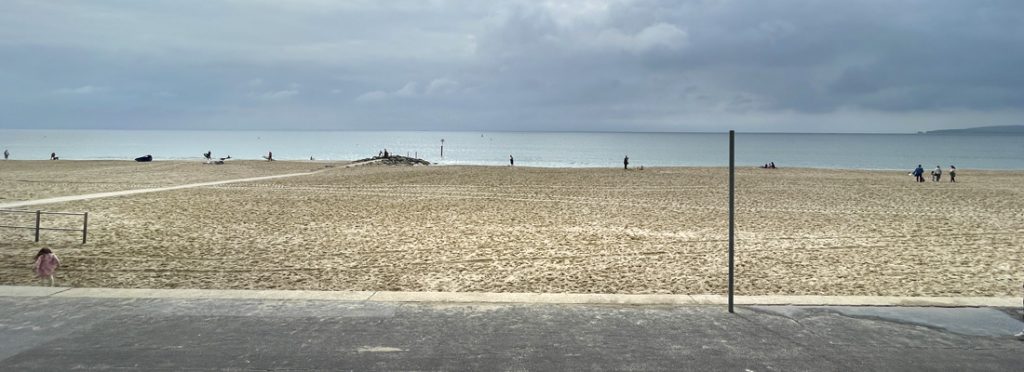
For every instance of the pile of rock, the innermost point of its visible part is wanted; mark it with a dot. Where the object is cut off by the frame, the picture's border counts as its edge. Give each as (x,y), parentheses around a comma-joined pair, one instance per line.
(391,160)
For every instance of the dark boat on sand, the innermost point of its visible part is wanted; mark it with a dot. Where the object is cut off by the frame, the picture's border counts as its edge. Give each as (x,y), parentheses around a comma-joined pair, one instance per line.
(144,158)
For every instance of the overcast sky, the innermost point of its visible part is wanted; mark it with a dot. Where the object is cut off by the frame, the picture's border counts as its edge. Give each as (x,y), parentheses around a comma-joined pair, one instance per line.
(673,65)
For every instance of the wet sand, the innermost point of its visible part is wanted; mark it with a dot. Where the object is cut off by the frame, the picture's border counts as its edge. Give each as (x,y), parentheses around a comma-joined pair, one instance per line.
(503,229)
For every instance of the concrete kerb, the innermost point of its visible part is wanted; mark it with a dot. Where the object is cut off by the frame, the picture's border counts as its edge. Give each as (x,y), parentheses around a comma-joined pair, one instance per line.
(507,298)
(532,298)
(213,294)
(26,291)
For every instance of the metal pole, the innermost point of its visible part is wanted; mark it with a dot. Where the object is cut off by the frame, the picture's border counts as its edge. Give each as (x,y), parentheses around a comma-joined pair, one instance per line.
(732,224)
(37,226)
(85,226)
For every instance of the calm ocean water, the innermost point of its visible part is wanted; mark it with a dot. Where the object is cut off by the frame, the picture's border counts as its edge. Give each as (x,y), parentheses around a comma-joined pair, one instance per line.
(539,149)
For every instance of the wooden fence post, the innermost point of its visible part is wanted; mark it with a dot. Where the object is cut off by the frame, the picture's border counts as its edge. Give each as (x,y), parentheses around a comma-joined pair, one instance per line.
(85,225)
(37,225)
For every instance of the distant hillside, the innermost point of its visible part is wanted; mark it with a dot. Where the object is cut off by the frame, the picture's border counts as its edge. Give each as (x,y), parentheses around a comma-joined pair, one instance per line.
(999,129)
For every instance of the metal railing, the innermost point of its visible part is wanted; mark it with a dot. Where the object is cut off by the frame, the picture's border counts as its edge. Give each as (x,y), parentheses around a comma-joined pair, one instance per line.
(39,215)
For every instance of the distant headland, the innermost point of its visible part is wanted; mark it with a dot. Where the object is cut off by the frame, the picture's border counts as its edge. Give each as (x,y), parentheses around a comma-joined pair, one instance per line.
(998,129)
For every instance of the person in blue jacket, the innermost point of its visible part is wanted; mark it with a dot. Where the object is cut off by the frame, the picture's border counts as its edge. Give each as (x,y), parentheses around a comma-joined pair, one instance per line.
(919,173)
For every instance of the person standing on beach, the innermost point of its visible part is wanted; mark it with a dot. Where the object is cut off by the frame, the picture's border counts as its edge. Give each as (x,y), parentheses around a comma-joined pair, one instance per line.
(511,161)
(952,173)
(46,264)
(936,174)
(918,173)
(7,154)
(625,162)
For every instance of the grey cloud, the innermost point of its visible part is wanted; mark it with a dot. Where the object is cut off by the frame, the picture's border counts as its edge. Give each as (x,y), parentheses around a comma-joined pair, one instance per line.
(572,65)
(85,89)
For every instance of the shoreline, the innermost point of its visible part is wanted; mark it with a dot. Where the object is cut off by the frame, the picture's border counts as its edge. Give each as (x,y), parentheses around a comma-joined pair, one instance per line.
(436,164)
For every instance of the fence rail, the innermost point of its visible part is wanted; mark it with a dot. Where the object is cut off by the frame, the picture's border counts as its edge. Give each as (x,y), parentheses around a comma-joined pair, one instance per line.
(39,217)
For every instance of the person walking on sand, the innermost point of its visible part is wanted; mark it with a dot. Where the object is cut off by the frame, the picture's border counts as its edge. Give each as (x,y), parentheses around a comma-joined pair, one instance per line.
(936,174)
(918,173)
(511,161)
(625,162)
(7,154)
(46,264)
(952,173)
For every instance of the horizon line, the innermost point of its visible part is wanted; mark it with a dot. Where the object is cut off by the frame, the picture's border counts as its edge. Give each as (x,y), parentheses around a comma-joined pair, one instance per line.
(443,130)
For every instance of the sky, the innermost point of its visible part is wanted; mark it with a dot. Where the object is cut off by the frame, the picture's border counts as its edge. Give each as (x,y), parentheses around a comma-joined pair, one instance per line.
(876,66)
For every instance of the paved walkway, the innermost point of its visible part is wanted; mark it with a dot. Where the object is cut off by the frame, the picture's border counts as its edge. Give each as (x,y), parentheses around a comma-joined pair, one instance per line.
(80,328)
(62,199)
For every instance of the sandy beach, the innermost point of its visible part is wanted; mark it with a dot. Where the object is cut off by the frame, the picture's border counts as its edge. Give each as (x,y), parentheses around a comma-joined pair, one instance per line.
(504,229)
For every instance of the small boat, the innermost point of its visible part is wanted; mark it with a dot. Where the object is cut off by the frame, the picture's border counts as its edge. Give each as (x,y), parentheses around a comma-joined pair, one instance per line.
(144,158)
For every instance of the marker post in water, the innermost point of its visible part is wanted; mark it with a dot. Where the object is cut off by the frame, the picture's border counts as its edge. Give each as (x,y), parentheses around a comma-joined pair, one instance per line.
(442,147)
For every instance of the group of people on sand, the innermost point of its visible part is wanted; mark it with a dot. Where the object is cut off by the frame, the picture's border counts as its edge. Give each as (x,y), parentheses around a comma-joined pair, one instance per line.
(769,165)
(209,157)
(7,155)
(512,161)
(918,173)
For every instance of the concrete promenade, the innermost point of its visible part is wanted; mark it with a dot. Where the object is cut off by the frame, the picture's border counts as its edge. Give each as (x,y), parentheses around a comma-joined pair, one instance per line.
(138,329)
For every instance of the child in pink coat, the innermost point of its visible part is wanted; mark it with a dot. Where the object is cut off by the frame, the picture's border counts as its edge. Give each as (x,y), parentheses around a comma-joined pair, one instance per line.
(46,264)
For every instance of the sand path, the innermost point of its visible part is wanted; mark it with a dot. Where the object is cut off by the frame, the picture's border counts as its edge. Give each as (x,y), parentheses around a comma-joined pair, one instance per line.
(62,199)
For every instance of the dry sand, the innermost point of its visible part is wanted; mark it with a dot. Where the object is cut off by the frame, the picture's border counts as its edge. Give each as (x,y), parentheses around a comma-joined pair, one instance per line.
(502,229)
(30,180)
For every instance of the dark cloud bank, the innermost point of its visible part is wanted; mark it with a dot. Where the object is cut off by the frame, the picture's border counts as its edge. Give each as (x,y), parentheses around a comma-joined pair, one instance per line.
(812,66)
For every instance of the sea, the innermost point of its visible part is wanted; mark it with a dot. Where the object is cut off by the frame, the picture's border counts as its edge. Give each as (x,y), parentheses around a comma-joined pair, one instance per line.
(535,149)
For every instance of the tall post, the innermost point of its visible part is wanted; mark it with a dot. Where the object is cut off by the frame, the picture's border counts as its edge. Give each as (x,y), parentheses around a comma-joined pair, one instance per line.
(37,225)
(442,147)
(732,195)
(85,225)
